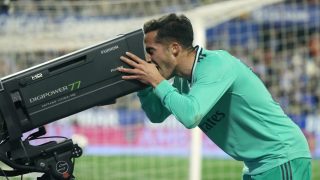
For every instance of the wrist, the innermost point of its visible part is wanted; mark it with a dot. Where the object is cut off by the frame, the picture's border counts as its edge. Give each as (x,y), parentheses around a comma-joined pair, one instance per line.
(155,83)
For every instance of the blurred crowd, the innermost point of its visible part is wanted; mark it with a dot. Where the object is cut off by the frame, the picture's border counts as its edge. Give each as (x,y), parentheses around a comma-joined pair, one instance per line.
(112,8)
(291,73)
(287,60)
(290,69)
(289,66)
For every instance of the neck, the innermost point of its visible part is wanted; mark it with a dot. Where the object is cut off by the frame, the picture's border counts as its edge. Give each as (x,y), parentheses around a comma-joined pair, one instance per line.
(185,64)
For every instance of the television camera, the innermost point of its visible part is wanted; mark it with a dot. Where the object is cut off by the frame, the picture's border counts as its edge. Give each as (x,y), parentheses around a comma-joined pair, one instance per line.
(56,89)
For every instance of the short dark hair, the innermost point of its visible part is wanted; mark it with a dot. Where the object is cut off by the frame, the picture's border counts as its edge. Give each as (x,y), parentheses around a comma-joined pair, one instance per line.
(172,28)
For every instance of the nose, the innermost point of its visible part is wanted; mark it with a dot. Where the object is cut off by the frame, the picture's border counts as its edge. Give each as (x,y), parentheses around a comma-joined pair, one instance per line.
(148,58)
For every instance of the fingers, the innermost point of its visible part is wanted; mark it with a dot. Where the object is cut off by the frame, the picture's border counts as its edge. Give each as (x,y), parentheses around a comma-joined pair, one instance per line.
(148,58)
(128,70)
(129,61)
(134,58)
(133,72)
(134,77)
(137,64)
(130,77)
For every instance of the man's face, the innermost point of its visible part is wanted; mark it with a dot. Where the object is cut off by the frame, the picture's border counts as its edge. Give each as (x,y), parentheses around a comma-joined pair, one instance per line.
(160,55)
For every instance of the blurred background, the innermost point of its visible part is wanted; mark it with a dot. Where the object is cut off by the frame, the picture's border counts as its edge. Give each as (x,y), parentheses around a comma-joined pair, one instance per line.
(278,39)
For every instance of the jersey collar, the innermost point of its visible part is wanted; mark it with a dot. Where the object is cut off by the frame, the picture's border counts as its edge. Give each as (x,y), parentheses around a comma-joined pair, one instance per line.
(195,62)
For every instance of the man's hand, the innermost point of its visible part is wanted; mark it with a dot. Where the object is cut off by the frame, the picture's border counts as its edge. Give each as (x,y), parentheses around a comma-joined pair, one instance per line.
(141,70)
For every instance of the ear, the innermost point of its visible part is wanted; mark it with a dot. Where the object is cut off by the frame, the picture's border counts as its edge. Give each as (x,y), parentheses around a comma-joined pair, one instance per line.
(175,49)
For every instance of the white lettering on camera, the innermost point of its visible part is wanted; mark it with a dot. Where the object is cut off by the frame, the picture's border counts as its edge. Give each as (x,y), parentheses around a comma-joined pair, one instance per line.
(48,94)
(115,69)
(36,76)
(105,51)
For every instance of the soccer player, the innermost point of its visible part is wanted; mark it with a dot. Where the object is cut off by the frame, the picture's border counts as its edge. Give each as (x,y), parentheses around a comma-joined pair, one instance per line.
(222,96)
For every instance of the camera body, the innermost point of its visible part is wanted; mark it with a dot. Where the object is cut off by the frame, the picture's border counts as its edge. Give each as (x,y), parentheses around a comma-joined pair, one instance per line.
(71,83)
(61,87)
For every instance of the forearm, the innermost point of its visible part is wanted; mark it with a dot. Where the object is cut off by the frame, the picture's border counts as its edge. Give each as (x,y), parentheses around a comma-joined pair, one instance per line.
(184,107)
(152,106)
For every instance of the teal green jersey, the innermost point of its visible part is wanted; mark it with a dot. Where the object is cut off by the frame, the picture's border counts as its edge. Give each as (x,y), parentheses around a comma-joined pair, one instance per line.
(231,105)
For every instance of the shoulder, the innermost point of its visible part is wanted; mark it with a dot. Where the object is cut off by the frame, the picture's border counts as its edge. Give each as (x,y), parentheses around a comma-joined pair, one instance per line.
(217,54)
(215,58)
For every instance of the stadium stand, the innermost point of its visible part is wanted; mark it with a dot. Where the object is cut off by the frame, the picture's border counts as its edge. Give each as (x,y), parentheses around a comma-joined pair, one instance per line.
(280,42)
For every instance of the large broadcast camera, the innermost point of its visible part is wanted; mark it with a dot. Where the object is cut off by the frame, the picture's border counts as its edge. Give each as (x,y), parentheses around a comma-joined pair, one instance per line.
(53,90)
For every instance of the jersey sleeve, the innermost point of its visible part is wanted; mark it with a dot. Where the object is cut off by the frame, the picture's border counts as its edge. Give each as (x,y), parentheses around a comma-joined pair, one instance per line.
(152,105)
(212,79)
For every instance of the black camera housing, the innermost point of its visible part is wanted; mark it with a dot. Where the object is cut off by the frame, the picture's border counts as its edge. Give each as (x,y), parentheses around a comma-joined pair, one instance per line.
(53,90)
(71,83)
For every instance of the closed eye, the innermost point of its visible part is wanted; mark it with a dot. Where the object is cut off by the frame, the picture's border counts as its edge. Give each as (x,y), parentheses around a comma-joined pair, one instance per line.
(150,50)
